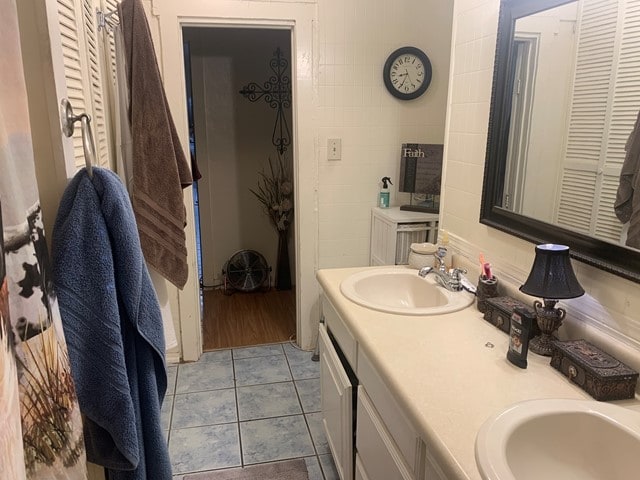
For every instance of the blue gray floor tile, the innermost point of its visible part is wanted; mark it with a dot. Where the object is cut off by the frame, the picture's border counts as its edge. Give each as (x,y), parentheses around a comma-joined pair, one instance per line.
(313,468)
(309,393)
(258,351)
(202,376)
(165,413)
(242,406)
(271,400)
(216,356)
(258,436)
(259,370)
(314,420)
(204,408)
(300,362)
(204,448)
(328,467)
(172,373)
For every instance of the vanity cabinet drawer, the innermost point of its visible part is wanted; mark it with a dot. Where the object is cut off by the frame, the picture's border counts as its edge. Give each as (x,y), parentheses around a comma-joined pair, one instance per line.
(407,440)
(340,332)
(375,446)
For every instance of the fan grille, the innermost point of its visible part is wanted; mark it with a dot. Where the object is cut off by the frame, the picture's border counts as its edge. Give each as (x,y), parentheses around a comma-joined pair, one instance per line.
(246,270)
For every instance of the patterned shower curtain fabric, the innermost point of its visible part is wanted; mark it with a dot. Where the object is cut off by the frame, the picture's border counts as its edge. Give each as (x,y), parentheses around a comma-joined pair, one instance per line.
(11,451)
(40,436)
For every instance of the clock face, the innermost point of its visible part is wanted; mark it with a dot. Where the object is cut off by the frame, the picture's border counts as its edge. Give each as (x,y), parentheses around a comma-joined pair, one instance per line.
(407,73)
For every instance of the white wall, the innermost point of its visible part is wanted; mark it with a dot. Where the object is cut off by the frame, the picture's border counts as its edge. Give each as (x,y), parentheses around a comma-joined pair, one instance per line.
(233,140)
(611,304)
(339,50)
(355,39)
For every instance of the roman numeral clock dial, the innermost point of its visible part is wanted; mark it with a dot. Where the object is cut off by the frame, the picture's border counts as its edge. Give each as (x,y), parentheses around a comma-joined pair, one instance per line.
(407,73)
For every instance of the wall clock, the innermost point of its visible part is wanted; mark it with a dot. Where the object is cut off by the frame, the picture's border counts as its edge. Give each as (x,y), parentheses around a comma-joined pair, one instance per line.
(407,73)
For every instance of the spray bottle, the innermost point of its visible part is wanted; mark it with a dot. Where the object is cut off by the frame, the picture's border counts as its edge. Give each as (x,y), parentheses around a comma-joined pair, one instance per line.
(383,201)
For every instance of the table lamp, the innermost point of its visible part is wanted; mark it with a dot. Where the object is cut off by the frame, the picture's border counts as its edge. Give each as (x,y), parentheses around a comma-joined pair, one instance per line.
(552,279)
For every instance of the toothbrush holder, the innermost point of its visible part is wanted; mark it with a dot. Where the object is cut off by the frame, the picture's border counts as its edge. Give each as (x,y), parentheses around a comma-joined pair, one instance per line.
(487,288)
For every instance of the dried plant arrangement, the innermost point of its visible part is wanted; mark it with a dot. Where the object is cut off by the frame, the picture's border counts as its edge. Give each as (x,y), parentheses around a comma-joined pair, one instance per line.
(275,192)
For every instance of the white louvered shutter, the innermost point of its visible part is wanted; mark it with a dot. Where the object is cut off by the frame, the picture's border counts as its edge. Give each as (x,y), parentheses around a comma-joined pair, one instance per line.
(107,46)
(625,104)
(84,75)
(76,79)
(605,102)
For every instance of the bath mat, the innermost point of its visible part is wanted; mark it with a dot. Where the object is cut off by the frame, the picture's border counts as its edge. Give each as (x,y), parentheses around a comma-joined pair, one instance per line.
(287,470)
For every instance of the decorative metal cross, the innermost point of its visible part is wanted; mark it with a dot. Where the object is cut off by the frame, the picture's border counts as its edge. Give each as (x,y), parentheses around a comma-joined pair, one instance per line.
(277,93)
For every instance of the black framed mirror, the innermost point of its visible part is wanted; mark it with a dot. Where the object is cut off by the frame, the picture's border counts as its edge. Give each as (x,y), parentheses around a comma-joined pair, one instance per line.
(562,194)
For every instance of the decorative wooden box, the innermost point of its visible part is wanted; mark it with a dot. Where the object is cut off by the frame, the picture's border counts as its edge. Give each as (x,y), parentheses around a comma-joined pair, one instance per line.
(498,311)
(597,373)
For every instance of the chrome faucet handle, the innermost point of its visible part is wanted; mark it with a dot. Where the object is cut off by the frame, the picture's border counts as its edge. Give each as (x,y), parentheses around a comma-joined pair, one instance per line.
(439,255)
(456,273)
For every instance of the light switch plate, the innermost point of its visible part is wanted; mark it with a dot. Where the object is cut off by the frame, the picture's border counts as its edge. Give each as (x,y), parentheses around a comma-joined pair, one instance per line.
(334,148)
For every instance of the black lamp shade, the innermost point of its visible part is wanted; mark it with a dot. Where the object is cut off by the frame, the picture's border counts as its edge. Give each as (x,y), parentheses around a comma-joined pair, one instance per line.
(552,275)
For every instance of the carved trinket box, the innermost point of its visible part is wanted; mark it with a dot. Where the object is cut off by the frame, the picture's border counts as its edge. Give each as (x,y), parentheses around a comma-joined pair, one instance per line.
(596,372)
(498,311)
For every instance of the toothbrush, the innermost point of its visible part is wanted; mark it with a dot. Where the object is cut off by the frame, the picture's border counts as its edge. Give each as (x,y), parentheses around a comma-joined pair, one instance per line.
(483,266)
(486,268)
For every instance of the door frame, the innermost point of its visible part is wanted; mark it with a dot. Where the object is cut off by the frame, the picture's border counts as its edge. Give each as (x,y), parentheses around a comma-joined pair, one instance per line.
(171,17)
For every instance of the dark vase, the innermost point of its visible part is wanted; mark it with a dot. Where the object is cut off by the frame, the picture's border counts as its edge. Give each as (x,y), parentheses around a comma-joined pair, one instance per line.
(283,272)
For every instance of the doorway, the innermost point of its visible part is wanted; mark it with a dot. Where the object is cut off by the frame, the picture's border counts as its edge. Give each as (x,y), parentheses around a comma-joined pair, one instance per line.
(234,139)
(525,50)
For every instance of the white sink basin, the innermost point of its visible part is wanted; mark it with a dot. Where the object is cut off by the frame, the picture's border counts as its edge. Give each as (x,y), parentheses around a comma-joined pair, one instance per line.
(560,439)
(401,291)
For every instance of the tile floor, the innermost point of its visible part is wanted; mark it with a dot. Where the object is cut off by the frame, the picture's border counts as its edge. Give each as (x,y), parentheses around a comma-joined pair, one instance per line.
(243,406)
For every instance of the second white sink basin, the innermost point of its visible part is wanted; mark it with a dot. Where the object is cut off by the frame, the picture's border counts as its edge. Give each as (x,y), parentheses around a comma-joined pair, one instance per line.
(400,290)
(560,439)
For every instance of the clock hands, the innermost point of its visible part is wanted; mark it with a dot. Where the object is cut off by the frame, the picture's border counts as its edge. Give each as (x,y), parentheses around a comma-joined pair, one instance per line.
(405,76)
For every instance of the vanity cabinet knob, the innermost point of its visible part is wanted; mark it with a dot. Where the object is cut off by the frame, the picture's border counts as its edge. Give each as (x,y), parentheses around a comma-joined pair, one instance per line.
(573,373)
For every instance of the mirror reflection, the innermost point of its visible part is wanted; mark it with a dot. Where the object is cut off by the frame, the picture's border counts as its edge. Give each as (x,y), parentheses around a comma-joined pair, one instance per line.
(575,71)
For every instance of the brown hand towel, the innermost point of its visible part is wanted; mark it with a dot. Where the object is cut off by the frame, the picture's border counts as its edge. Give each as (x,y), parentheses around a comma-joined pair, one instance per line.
(160,169)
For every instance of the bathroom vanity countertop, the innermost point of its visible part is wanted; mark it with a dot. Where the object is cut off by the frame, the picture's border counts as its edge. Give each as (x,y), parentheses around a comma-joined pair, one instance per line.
(444,374)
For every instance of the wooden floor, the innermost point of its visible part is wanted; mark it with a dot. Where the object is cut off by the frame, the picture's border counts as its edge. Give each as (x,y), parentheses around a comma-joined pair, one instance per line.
(243,319)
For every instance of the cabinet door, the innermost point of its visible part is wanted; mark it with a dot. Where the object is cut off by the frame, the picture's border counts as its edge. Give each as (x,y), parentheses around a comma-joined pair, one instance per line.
(433,470)
(360,472)
(337,415)
(377,451)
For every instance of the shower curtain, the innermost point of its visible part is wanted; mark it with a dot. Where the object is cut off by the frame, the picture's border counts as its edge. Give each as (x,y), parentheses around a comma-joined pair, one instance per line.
(40,428)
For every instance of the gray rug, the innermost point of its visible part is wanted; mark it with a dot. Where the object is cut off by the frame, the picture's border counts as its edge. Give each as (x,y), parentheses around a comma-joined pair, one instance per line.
(287,470)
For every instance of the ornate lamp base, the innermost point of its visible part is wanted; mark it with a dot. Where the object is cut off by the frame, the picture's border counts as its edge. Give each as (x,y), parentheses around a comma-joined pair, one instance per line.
(549,320)
(542,344)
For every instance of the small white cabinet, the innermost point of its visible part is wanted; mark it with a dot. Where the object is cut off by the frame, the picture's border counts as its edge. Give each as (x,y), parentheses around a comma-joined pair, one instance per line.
(394,230)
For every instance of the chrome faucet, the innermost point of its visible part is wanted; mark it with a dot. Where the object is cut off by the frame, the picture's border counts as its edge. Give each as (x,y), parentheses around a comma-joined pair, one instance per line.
(440,254)
(448,279)
(453,279)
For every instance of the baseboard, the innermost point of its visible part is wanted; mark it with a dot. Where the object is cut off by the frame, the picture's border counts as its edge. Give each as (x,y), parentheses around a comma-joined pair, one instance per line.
(172,357)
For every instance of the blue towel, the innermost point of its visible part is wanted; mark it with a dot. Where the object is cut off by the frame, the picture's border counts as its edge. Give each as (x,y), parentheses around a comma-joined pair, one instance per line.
(113,327)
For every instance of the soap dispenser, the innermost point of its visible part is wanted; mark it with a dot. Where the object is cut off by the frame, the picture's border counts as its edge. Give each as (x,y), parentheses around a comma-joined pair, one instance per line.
(383,201)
